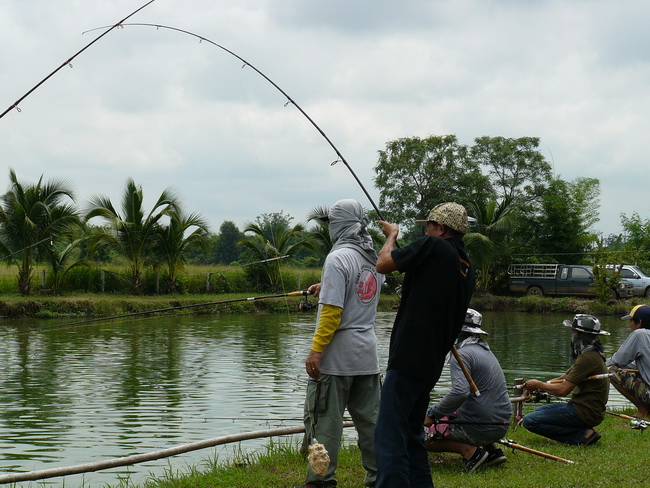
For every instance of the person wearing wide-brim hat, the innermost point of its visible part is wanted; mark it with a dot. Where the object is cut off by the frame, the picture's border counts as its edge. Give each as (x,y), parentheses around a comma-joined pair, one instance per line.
(465,423)
(574,422)
(438,285)
(634,354)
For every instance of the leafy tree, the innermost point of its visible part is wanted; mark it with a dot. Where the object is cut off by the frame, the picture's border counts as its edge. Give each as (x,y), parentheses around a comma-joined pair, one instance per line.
(132,233)
(517,170)
(560,227)
(174,241)
(271,238)
(32,220)
(413,175)
(226,250)
(636,231)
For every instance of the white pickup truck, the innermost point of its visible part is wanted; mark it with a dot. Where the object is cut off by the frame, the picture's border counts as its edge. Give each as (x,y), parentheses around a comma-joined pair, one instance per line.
(637,276)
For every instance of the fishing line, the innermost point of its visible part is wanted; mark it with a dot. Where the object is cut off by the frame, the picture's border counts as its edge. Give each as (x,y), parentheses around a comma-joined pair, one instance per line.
(49,238)
(303,293)
(68,62)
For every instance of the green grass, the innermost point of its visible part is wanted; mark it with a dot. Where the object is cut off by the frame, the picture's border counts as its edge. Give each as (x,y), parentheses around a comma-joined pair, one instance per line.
(618,460)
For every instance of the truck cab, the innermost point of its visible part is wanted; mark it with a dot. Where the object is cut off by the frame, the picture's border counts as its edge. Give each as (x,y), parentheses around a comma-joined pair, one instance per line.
(559,279)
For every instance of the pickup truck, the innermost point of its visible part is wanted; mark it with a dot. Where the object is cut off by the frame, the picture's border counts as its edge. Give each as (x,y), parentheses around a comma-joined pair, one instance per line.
(559,279)
(638,277)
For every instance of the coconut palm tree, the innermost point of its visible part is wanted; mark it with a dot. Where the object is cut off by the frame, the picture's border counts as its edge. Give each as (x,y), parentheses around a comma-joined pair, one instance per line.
(270,241)
(174,241)
(32,220)
(493,222)
(132,233)
(320,231)
(63,260)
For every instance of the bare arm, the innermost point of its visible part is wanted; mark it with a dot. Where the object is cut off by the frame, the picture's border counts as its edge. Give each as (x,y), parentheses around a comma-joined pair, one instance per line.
(385,262)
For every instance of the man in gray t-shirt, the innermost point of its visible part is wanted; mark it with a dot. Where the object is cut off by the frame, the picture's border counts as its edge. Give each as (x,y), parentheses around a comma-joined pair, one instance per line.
(343,364)
(481,420)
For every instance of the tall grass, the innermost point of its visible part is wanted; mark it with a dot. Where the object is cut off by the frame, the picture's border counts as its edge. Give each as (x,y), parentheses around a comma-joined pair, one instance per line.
(114,279)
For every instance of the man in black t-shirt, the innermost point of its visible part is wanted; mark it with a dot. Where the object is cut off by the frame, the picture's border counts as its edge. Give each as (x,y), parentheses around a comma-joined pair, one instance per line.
(438,285)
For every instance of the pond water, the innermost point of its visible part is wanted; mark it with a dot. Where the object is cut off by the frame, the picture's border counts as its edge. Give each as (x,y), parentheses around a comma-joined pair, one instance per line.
(79,394)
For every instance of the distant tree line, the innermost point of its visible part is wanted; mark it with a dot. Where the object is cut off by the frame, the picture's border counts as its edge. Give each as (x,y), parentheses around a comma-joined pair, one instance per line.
(523,213)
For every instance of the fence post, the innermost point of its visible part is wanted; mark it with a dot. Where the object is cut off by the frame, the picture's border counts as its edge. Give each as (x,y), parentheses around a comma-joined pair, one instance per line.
(298,284)
(43,278)
(157,282)
(207,282)
(103,280)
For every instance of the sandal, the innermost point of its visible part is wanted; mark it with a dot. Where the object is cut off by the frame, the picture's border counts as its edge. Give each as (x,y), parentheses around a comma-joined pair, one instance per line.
(592,439)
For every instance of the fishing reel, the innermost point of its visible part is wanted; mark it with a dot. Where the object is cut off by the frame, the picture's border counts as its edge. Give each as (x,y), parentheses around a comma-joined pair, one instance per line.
(638,424)
(305,305)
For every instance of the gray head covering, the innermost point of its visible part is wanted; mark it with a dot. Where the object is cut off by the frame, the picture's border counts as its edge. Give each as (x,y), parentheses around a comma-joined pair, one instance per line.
(348,228)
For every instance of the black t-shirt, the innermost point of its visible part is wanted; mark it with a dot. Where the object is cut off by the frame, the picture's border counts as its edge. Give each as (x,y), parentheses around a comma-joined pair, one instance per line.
(438,285)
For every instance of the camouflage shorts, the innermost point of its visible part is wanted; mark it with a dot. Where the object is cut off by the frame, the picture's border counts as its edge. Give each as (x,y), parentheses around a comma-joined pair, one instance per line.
(453,432)
(631,382)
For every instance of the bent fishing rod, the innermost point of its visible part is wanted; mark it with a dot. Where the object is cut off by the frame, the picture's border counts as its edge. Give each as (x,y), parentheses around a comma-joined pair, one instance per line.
(68,62)
(179,307)
(290,100)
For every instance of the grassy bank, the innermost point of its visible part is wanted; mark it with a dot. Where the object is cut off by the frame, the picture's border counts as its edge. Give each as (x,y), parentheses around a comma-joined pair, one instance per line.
(104,305)
(93,305)
(619,459)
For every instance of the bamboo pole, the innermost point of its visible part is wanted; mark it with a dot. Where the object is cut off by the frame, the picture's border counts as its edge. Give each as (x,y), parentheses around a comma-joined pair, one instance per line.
(150,456)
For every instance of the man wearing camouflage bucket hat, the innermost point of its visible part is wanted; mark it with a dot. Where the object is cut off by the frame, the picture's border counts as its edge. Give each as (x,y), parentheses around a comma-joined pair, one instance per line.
(574,422)
(438,285)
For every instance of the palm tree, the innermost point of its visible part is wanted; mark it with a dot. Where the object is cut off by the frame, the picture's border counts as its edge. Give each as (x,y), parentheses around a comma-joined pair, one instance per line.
(32,219)
(320,231)
(173,242)
(133,233)
(270,243)
(64,260)
(493,221)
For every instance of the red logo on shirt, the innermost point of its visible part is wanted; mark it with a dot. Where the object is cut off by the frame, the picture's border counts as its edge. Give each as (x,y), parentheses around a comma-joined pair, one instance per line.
(367,288)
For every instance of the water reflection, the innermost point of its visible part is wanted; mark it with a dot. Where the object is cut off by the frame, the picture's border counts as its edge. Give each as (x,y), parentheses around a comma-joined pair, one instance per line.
(80,394)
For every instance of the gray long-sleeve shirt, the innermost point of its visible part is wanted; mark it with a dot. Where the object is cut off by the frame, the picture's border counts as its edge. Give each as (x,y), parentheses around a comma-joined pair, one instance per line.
(493,405)
(635,351)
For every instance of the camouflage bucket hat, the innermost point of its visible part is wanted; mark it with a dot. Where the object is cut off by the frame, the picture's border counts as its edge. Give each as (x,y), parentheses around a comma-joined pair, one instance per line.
(586,323)
(451,214)
(473,321)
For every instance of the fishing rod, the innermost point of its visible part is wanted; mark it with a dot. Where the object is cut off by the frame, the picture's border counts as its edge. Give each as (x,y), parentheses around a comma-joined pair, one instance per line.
(470,422)
(601,376)
(304,293)
(635,422)
(290,100)
(512,444)
(68,62)
(463,368)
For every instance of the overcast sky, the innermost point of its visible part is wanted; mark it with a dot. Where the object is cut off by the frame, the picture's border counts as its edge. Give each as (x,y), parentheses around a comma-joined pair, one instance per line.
(167,110)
